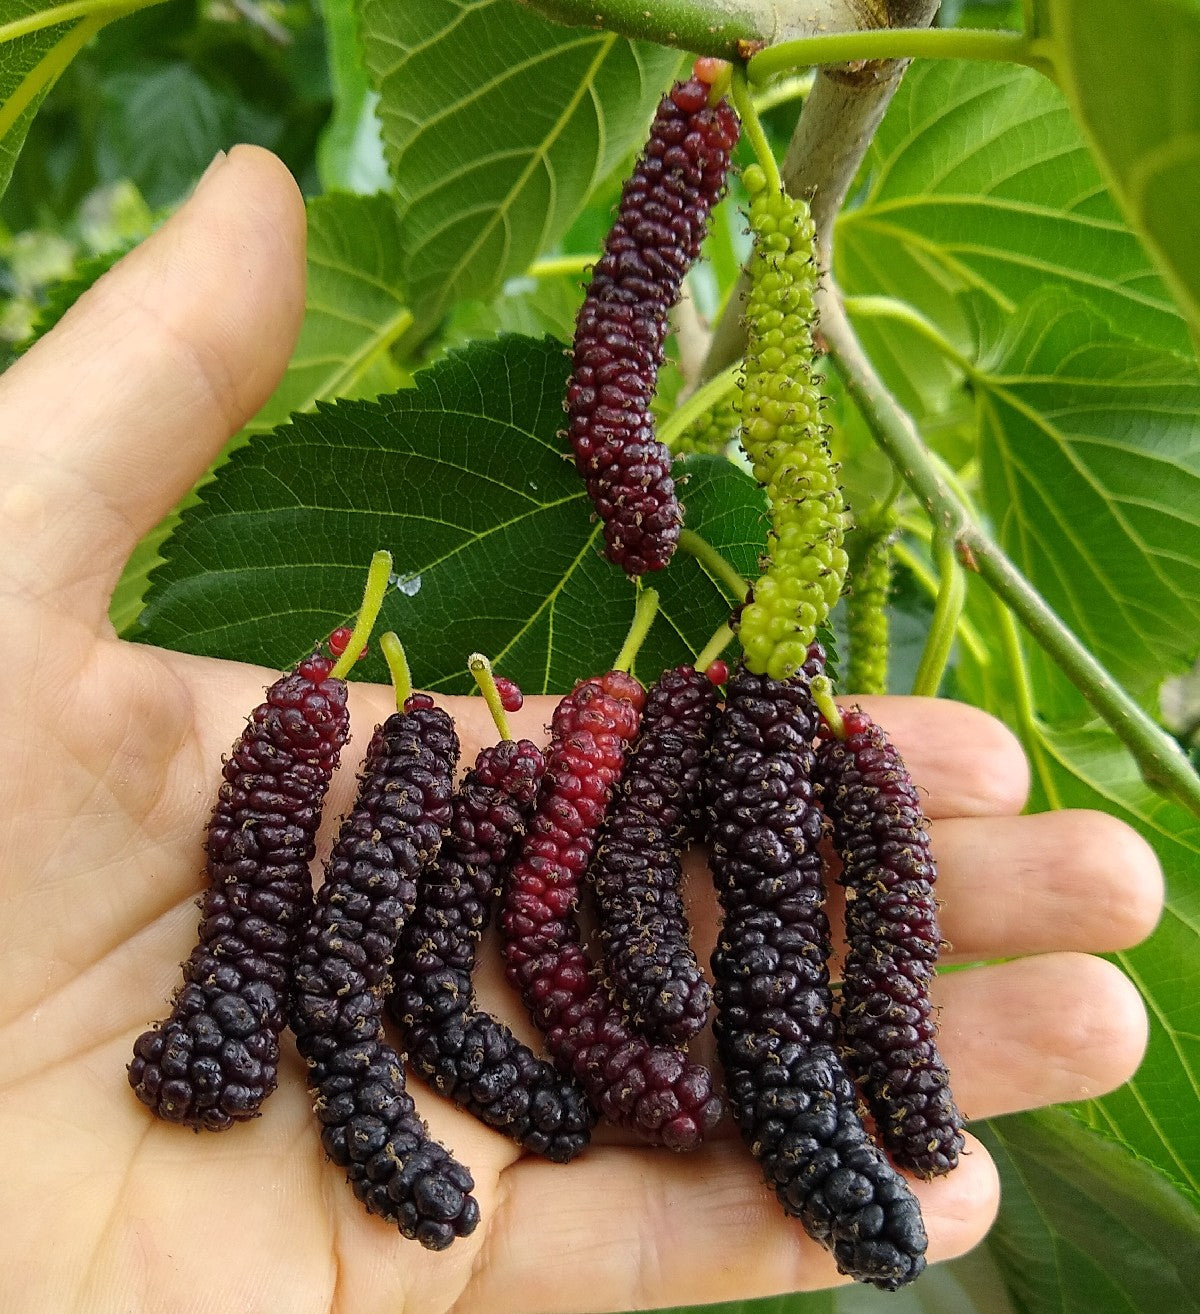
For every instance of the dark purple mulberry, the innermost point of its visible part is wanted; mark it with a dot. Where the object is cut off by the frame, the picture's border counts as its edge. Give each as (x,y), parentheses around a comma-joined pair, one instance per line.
(370,1126)
(650,1089)
(622,325)
(888,1029)
(793,1100)
(465,1053)
(215,1059)
(636,872)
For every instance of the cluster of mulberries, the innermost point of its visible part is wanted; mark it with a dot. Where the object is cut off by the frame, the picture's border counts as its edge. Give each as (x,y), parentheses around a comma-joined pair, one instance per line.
(215,1059)
(651,1089)
(369,1123)
(713,431)
(793,1100)
(636,872)
(622,325)
(892,937)
(464,1052)
(785,438)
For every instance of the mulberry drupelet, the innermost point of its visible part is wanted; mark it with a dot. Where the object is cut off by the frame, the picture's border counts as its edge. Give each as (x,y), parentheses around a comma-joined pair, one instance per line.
(622,326)
(892,936)
(370,1126)
(794,1103)
(636,872)
(465,1053)
(215,1059)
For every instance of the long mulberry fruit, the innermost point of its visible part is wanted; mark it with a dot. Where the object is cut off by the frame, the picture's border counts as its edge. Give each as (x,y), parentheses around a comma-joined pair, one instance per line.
(867,614)
(622,325)
(793,1100)
(650,1089)
(784,437)
(888,1028)
(636,872)
(215,1059)
(370,1126)
(464,1052)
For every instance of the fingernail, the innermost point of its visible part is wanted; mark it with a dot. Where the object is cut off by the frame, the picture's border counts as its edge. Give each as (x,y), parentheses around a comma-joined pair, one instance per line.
(213,165)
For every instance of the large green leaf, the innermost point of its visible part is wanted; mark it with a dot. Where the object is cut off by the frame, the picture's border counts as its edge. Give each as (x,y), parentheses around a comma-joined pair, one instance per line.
(1090,444)
(1155,1113)
(1087,1227)
(1078,763)
(978,179)
(1132,75)
(497,124)
(463,478)
(37,42)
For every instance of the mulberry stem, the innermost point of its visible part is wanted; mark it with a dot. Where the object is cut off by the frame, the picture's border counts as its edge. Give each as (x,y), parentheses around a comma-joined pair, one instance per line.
(752,127)
(952,594)
(644,612)
(481,670)
(378,574)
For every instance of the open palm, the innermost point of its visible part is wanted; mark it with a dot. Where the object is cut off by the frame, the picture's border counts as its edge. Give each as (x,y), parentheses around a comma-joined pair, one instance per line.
(108,767)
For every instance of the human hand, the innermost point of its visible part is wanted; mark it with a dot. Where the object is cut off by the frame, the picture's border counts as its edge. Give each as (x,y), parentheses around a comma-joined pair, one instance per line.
(109,762)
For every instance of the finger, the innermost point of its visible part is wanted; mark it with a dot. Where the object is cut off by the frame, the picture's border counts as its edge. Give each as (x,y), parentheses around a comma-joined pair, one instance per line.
(1038,1031)
(629,1230)
(113,415)
(1056,880)
(964,762)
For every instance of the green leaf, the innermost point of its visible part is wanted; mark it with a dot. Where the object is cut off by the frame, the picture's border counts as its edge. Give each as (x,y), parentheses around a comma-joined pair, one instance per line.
(1090,445)
(1155,1113)
(354,312)
(978,179)
(1085,1226)
(1132,76)
(36,45)
(464,479)
(497,124)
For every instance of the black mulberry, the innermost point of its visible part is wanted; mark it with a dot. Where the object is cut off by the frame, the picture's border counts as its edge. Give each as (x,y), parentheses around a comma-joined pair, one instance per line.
(794,1102)
(636,871)
(370,1126)
(651,1089)
(888,1029)
(465,1053)
(622,325)
(215,1059)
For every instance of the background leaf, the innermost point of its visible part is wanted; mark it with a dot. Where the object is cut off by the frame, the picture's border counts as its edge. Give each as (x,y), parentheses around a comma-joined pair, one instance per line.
(1132,76)
(497,124)
(464,479)
(350,152)
(1090,445)
(978,180)
(1086,1226)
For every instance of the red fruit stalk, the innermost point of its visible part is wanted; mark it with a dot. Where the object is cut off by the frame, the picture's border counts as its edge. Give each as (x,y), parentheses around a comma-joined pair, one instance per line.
(651,1089)
(636,873)
(889,1033)
(370,1126)
(215,1059)
(622,325)
(464,1052)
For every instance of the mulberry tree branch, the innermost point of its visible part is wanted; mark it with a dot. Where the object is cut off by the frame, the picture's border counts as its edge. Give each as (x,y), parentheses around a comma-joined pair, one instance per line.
(835,128)
(1159,757)
(712,27)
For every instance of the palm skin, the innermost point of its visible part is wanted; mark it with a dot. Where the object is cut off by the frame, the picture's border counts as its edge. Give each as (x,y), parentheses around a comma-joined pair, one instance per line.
(109,766)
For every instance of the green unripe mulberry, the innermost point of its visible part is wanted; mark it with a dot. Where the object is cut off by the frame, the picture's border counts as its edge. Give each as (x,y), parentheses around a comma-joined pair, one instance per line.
(867,616)
(713,431)
(784,437)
